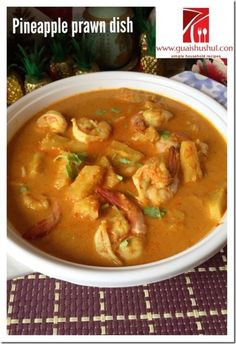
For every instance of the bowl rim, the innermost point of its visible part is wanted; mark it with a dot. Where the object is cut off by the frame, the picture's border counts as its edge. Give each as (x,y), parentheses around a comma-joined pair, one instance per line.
(83,274)
(143,273)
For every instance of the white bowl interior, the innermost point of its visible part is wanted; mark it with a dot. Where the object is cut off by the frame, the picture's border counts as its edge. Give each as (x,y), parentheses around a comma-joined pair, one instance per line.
(20,112)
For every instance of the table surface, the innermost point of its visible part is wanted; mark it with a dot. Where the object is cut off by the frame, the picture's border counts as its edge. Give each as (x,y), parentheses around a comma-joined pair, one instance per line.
(190,304)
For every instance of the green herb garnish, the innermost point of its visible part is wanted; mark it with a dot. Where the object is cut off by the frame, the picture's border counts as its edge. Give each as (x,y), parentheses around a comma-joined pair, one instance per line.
(124,244)
(115,110)
(74,160)
(139,164)
(58,157)
(82,155)
(100,112)
(165,134)
(125,161)
(105,206)
(24,188)
(156,213)
(72,166)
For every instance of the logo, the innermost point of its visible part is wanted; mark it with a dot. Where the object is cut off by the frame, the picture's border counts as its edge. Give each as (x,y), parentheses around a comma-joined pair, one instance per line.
(196,25)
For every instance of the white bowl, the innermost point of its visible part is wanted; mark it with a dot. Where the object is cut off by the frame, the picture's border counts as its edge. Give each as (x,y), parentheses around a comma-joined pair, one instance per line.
(30,256)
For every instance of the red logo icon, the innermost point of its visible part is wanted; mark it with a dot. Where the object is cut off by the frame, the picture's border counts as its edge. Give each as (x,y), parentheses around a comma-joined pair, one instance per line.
(196,25)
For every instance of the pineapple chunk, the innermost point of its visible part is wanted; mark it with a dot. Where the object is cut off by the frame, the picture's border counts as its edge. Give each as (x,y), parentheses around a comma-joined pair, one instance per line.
(124,158)
(149,135)
(111,178)
(34,201)
(53,142)
(217,203)
(85,183)
(87,207)
(124,151)
(62,178)
(119,226)
(190,162)
(36,164)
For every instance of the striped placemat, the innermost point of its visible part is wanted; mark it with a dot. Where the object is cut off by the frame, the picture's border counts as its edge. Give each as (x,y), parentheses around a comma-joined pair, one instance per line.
(190,304)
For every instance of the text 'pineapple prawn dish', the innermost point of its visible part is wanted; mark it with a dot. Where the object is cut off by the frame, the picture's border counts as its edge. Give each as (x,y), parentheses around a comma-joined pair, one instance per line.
(116,177)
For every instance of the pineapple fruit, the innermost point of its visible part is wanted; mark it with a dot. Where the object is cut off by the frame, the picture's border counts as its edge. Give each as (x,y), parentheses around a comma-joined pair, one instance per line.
(147,41)
(15,88)
(152,65)
(83,58)
(61,65)
(34,66)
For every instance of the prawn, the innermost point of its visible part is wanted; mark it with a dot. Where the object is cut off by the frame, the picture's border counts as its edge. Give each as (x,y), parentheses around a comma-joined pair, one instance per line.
(132,212)
(142,131)
(157,181)
(52,120)
(174,140)
(154,115)
(44,226)
(114,241)
(87,130)
(131,248)
(103,243)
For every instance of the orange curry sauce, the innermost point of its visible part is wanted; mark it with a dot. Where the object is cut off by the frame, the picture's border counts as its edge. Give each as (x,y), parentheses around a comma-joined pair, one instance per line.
(73,237)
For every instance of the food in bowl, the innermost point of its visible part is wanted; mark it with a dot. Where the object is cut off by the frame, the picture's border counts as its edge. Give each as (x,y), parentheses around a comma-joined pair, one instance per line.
(116,177)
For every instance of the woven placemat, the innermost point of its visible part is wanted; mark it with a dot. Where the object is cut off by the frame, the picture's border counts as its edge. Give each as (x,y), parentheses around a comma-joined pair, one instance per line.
(190,304)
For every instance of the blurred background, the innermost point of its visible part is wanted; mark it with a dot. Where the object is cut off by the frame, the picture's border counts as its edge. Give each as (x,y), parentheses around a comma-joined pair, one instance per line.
(34,61)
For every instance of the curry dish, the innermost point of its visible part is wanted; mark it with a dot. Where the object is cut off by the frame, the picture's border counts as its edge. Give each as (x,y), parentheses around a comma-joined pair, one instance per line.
(116,177)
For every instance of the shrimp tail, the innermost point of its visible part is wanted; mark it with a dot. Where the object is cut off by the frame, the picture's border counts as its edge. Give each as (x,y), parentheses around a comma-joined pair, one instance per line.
(132,212)
(110,196)
(173,163)
(44,226)
(180,136)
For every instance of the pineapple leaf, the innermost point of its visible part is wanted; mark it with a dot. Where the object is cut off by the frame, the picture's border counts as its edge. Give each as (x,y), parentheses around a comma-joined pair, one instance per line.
(140,20)
(151,38)
(82,53)
(33,62)
(23,52)
(143,25)
(59,47)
